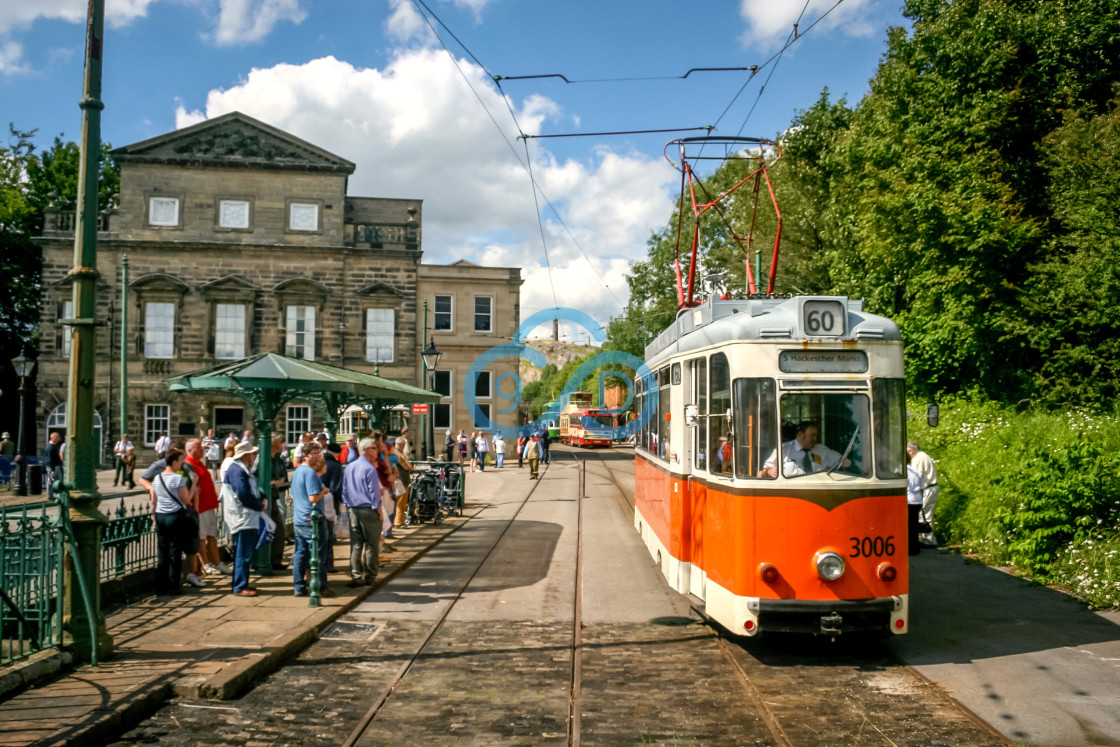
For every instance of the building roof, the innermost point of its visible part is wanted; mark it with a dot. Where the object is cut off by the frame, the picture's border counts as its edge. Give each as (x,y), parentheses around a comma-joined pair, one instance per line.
(234,140)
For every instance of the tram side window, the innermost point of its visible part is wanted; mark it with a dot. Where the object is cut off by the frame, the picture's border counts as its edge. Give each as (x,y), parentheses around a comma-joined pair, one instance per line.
(638,410)
(663,413)
(756,426)
(700,394)
(719,392)
(889,397)
(649,412)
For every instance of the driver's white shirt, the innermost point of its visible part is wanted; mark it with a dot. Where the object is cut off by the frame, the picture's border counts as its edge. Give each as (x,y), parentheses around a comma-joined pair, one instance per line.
(822,458)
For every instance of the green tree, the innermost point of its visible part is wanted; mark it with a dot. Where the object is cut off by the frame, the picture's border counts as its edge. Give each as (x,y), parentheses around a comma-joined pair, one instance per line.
(29,183)
(1071,318)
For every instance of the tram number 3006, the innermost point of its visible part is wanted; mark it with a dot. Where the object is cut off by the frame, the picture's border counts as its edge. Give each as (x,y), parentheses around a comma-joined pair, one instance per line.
(871,546)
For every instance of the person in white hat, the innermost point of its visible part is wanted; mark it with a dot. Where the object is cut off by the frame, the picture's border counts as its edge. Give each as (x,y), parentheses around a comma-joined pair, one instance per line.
(244,484)
(7,447)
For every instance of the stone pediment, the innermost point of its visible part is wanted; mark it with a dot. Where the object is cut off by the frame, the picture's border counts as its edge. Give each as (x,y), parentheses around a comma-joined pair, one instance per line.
(381,291)
(159,282)
(301,287)
(234,140)
(229,286)
(66,281)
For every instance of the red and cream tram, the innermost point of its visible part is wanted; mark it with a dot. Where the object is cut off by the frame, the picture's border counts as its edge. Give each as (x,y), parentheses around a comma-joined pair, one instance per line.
(591,428)
(770,471)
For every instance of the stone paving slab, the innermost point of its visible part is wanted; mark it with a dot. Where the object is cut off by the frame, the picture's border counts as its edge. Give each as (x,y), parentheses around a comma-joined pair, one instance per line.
(194,646)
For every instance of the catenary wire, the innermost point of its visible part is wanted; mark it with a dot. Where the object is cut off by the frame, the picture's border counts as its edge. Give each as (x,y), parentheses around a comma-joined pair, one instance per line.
(536,187)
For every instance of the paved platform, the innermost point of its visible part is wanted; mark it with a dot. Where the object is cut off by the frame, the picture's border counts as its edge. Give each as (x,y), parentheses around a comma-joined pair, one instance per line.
(205,644)
(109,493)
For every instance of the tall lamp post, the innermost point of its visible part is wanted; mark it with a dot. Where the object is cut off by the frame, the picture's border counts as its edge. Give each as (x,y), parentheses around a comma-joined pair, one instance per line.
(23,366)
(431,360)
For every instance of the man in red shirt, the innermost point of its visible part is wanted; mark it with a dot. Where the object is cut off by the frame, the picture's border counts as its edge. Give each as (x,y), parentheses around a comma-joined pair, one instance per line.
(207,512)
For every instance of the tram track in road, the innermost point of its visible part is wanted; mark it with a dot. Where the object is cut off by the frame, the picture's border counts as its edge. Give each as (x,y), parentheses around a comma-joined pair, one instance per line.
(812,691)
(574,696)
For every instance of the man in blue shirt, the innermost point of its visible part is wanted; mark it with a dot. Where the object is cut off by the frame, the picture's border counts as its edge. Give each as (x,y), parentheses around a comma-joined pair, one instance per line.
(307,491)
(361,492)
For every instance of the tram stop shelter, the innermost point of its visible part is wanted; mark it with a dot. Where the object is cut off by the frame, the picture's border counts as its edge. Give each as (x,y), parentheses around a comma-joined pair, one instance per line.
(269,381)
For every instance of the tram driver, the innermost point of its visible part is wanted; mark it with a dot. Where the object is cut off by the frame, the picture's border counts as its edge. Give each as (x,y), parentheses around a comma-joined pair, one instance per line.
(803,454)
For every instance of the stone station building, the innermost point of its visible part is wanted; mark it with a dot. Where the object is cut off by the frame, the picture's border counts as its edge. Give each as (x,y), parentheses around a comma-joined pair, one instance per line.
(241,238)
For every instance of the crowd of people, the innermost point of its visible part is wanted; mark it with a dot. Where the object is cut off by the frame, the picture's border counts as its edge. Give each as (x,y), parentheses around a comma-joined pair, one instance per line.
(478,447)
(190,482)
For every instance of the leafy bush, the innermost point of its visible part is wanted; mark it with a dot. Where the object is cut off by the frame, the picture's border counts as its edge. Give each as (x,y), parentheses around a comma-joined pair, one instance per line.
(1031,489)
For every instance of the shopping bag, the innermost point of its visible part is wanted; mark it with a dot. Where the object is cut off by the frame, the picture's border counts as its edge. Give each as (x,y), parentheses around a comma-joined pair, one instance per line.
(327,504)
(342,524)
(266,529)
(386,522)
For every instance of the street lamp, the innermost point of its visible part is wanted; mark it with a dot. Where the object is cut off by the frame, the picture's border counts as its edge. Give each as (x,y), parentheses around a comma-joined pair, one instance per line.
(23,366)
(431,359)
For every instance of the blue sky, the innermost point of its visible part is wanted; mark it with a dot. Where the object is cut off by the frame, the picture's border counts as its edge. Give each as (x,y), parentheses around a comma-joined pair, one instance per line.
(368,81)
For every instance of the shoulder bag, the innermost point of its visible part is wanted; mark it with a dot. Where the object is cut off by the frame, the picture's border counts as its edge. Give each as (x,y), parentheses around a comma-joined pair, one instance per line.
(188,515)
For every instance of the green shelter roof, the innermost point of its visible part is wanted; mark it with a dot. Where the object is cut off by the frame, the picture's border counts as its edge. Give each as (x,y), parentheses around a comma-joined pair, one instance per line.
(272,371)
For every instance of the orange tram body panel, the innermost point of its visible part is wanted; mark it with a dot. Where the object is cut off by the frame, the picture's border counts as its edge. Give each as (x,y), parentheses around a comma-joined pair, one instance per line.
(770,473)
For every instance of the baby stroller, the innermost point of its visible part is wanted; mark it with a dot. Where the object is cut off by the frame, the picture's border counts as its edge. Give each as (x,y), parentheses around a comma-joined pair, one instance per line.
(424,498)
(451,489)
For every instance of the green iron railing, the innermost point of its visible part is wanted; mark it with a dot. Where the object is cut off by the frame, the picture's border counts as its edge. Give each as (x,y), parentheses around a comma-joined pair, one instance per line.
(129,542)
(31,549)
(32,542)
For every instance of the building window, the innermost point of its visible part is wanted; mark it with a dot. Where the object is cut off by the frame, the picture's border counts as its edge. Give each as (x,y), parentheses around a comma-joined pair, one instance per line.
(157,423)
(298,423)
(483,416)
(441,418)
(441,413)
(483,314)
(229,331)
(303,216)
(233,214)
(163,211)
(482,384)
(159,330)
(301,332)
(442,385)
(379,335)
(67,332)
(443,314)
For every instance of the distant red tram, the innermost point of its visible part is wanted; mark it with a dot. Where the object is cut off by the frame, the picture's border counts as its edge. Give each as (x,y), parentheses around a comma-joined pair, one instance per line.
(589,427)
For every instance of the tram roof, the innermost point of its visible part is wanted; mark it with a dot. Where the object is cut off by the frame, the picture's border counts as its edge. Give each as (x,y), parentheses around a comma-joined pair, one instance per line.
(767,319)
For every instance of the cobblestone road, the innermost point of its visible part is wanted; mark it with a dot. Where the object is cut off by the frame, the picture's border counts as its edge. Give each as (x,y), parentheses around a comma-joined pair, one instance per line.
(660,678)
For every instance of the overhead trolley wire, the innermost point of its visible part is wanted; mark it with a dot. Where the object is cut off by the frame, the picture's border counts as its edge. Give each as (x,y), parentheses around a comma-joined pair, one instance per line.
(527,165)
(706,128)
(793,36)
(564,78)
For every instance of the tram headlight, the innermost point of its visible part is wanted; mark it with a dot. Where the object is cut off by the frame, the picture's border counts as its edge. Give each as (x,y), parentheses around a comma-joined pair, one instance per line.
(830,566)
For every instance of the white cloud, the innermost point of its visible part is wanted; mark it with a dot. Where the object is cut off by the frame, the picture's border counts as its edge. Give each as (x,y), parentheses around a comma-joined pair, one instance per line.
(11,52)
(22,13)
(405,25)
(245,21)
(238,21)
(16,15)
(415,130)
(770,23)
